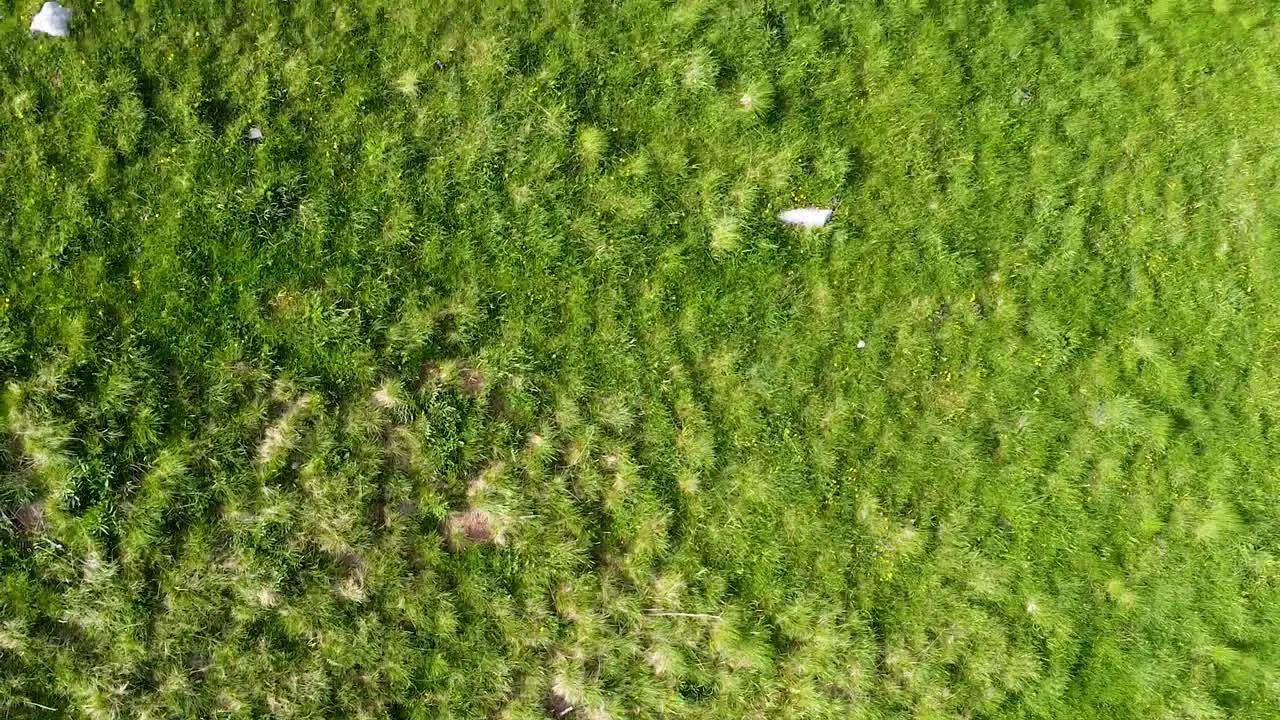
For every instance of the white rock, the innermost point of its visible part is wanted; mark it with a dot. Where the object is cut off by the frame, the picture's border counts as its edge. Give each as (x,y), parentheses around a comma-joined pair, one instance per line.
(862,344)
(810,217)
(255,133)
(53,20)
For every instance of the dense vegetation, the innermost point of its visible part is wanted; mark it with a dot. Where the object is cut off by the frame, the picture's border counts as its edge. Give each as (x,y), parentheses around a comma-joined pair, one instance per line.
(488,385)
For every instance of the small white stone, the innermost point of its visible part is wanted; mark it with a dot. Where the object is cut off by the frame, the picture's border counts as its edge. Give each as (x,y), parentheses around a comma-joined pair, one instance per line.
(255,133)
(862,344)
(810,217)
(52,20)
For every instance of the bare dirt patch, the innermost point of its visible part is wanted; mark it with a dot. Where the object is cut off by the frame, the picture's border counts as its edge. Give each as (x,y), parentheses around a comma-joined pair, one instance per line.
(558,706)
(471,381)
(198,663)
(471,527)
(431,373)
(354,571)
(499,406)
(30,519)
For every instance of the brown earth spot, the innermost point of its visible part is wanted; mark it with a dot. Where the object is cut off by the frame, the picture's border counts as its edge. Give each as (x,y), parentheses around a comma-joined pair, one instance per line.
(354,570)
(379,515)
(476,488)
(30,519)
(472,381)
(558,706)
(355,567)
(470,527)
(611,462)
(431,373)
(416,560)
(499,406)
(198,663)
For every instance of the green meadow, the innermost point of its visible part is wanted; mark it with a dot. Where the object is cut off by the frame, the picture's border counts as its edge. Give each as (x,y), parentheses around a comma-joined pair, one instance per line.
(489,385)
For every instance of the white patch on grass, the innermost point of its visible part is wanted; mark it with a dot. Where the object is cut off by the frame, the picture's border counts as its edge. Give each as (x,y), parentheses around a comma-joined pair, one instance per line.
(810,217)
(52,20)
(255,134)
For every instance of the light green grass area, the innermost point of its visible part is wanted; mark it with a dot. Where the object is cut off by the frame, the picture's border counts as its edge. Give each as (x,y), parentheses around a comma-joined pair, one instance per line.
(452,395)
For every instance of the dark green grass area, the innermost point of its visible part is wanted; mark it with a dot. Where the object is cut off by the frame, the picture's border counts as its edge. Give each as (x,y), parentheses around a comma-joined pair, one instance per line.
(522,261)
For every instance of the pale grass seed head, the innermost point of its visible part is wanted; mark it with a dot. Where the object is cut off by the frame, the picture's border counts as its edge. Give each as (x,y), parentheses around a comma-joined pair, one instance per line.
(13,635)
(281,435)
(407,83)
(388,395)
(695,445)
(755,98)
(536,443)
(568,603)
(580,446)
(92,569)
(989,581)
(687,480)
(614,413)
(567,416)
(565,697)
(637,166)
(700,71)
(667,591)
(591,146)
(481,487)
(725,235)
(404,446)
(611,462)
(1120,594)
(264,597)
(739,651)
(662,660)
(1217,522)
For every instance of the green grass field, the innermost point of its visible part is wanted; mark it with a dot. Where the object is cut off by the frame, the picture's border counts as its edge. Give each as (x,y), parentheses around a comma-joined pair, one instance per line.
(488,385)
